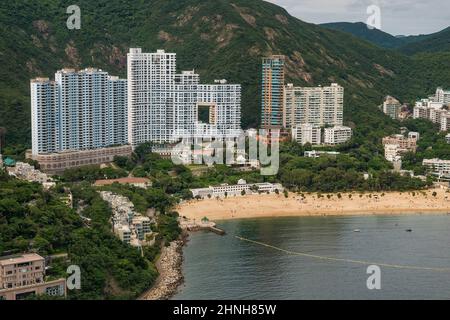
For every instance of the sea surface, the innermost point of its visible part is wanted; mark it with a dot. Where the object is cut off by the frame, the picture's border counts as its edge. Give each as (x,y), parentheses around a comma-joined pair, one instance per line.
(226,267)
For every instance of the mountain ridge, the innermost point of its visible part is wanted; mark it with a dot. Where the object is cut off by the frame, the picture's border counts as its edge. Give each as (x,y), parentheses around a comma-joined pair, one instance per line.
(412,44)
(362,31)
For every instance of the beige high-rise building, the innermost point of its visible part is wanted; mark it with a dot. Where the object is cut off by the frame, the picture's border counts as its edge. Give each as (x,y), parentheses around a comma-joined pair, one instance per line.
(315,105)
(392,107)
(409,144)
(23,275)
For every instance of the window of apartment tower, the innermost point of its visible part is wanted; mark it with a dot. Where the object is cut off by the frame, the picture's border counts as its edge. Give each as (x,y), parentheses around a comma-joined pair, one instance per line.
(54,291)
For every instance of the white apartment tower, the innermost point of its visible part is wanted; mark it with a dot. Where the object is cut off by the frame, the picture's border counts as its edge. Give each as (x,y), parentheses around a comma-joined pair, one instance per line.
(307,133)
(316,105)
(45,120)
(164,106)
(80,110)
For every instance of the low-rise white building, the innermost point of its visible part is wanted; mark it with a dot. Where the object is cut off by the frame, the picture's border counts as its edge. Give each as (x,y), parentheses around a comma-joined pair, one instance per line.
(438,167)
(447,138)
(237,189)
(337,135)
(318,154)
(414,135)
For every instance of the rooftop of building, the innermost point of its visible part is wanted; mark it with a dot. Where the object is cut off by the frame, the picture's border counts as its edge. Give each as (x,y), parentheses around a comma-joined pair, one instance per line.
(139,51)
(332,85)
(40,80)
(9,162)
(339,127)
(20,258)
(437,160)
(275,56)
(85,70)
(391,100)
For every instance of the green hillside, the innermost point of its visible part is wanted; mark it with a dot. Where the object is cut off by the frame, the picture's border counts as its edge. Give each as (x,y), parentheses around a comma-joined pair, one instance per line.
(220,39)
(360,30)
(436,42)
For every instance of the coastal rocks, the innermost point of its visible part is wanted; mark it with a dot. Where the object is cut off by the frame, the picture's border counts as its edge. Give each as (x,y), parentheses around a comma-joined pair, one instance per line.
(170,273)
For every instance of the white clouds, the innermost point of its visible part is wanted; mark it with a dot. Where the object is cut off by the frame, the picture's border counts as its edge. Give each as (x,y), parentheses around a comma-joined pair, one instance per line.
(398,16)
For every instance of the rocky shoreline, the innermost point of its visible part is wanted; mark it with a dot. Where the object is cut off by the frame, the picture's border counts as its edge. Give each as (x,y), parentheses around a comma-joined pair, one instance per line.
(170,272)
(170,263)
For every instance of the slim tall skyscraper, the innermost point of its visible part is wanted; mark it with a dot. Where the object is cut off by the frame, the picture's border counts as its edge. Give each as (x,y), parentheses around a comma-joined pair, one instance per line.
(45,118)
(272,92)
(80,110)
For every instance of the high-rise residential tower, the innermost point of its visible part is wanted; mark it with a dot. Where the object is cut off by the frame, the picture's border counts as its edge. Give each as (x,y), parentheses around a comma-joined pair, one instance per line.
(45,119)
(164,106)
(80,110)
(272,86)
(322,106)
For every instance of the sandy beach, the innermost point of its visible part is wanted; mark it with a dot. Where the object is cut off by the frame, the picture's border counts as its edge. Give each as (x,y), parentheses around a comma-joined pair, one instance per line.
(355,203)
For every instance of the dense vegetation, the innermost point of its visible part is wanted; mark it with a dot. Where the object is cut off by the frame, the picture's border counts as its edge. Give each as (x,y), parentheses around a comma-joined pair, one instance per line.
(343,172)
(425,43)
(32,219)
(432,144)
(436,42)
(92,173)
(360,30)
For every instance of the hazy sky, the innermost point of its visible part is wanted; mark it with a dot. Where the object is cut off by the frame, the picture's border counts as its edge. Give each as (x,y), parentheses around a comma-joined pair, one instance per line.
(405,17)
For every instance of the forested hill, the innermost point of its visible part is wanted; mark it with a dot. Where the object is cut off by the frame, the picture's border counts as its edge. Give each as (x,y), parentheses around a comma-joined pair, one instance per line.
(220,39)
(360,30)
(436,42)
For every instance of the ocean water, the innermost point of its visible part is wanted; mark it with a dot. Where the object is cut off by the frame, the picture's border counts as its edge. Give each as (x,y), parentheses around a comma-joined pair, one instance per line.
(225,267)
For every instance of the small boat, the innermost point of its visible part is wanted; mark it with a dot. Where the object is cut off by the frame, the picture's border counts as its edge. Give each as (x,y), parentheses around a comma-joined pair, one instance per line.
(356,230)
(408,230)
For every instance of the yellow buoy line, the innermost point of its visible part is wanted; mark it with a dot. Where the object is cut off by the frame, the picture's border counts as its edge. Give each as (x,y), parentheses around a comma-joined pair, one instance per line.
(361,262)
